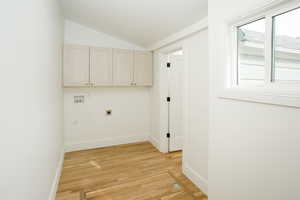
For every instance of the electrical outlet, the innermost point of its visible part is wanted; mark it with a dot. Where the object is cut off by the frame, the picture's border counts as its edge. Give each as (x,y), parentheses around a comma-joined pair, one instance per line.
(79,99)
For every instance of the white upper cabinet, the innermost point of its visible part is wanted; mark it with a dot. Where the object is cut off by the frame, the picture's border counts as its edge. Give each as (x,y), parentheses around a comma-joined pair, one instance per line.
(76,65)
(101,72)
(143,68)
(123,67)
(95,66)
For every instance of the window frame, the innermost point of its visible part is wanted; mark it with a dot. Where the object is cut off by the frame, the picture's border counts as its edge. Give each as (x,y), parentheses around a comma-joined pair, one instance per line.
(286,93)
(269,16)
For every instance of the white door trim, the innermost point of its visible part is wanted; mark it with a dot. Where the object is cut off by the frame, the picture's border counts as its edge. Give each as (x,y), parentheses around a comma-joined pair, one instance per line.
(163,53)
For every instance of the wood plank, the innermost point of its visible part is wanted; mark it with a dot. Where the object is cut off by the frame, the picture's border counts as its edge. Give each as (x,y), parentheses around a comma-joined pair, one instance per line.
(132,171)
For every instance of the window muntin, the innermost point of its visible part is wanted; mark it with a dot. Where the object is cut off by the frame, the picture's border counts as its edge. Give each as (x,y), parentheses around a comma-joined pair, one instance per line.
(251,53)
(286,46)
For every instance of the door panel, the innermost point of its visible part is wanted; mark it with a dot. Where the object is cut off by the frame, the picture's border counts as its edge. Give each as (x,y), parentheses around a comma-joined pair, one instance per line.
(123,67)
(143,68)
(176,107)
(101,72)
(76,65)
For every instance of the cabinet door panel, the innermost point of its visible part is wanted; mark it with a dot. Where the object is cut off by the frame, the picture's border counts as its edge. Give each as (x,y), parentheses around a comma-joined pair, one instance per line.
(143,68)
(101,66)
(123,67)
(76,65)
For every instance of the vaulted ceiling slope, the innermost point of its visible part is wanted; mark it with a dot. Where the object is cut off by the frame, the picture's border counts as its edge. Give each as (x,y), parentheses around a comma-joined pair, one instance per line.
(142,22)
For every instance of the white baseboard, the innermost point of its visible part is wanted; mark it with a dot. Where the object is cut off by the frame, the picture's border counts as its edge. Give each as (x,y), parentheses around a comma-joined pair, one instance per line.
(154,142)
(57,177)
(198,180)
(69,147)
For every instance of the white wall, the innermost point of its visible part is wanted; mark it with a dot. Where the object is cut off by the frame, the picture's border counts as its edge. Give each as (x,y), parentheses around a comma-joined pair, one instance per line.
(196,105)
(195,150)
(254,148)
(86,125)
(156,102)
(79,34)
(31,99)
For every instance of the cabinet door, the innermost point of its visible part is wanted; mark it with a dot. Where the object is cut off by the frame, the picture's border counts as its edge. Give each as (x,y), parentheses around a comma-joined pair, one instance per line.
(123,67)
(76,65)
(101,67)
(143,68)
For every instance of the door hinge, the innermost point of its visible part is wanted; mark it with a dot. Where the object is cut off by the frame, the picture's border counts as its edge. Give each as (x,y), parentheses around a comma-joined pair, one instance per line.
(168,99)
(168,135)
(168,65)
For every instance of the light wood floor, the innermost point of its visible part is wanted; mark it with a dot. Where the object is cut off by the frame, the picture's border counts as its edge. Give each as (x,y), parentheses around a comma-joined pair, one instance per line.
(126,172)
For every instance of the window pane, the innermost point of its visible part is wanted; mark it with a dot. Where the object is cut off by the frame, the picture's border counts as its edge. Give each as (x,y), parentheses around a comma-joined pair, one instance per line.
(251,53)
(286,46)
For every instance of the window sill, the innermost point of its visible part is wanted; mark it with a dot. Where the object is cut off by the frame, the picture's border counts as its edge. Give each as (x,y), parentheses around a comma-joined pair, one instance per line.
(262,95)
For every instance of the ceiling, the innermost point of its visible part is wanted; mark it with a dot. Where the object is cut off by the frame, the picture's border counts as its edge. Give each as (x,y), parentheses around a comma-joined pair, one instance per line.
(142,22)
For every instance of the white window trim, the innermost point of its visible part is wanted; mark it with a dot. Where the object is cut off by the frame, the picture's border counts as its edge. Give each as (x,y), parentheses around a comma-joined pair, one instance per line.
(286,93)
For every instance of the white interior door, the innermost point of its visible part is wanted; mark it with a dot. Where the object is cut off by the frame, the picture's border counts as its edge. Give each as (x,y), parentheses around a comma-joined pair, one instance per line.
(175,79)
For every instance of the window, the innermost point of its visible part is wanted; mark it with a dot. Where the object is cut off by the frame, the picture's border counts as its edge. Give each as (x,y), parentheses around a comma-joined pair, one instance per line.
(251,53)
(286,46)
(268,49)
